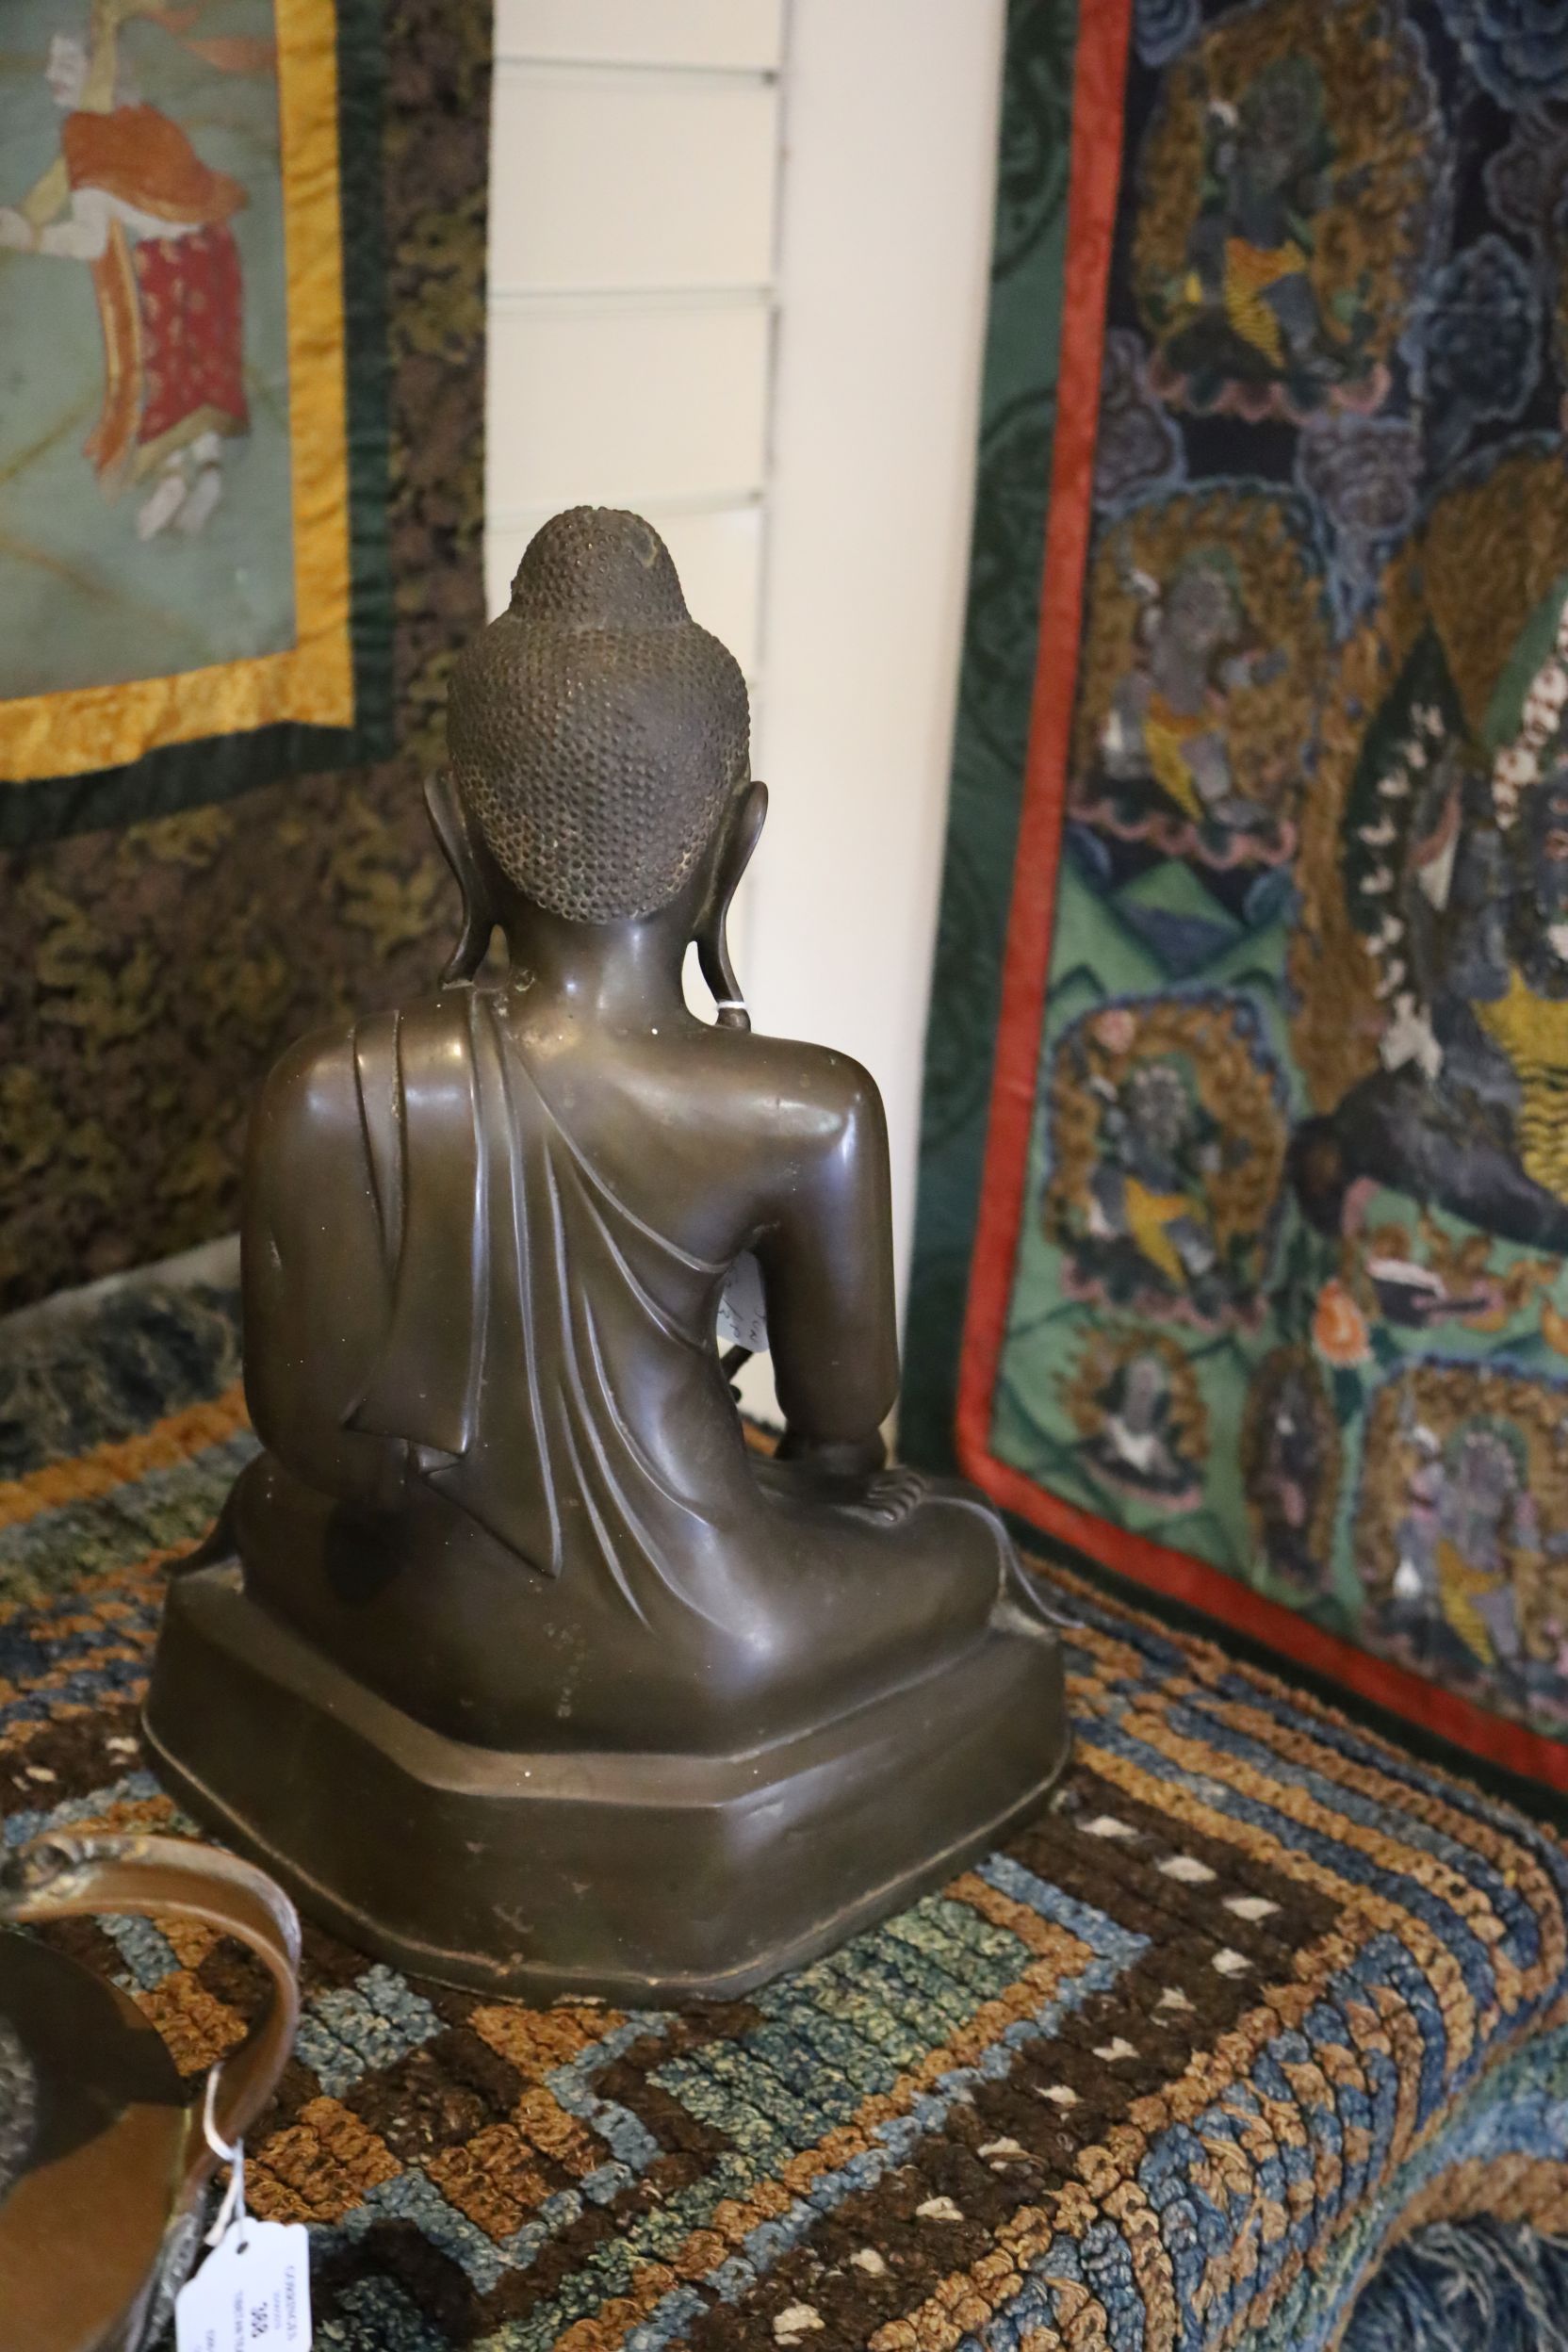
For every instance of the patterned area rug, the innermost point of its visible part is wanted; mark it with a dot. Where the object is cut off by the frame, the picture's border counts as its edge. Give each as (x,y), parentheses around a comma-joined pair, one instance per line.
(1172,2071)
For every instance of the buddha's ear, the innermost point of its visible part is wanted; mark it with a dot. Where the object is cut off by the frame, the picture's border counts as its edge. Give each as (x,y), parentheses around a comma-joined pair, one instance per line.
(747,815)
(467,854)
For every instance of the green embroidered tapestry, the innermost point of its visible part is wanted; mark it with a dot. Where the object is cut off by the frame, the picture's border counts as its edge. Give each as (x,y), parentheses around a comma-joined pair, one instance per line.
(1246,1161)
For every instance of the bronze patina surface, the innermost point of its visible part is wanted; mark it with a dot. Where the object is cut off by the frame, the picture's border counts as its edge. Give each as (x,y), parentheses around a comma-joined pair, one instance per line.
(509,1654)
(102,2158)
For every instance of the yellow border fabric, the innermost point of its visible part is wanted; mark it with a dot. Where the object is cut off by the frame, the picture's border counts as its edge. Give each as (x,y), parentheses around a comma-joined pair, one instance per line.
(91,727)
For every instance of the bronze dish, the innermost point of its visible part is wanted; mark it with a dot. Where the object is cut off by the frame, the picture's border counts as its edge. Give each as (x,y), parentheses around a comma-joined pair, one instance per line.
(104,2159)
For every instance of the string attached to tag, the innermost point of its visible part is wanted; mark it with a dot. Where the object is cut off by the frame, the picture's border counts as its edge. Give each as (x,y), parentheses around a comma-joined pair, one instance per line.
(232,2210)
(253,2288)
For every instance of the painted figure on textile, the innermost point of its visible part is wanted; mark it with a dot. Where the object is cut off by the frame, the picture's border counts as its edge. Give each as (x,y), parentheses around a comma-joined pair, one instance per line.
(1165,733)
(1141,1420)
(1168,1140)
(1148,1205)
(1453,866)
(130,197)
(1194,731)
(152,437)
(1464,1521)
(1244,306)
(1285,195)
(1485,1529)
(1290,1468)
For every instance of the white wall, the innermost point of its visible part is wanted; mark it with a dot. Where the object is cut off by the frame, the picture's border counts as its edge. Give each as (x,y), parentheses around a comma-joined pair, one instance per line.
(889,120)
(738,259)
(633,184)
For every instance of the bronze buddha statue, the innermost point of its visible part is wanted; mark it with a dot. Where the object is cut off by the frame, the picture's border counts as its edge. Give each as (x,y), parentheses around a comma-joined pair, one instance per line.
(509,1654)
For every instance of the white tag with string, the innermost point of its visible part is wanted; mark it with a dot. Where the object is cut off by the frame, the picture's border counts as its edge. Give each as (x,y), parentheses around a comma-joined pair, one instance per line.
(253,2292)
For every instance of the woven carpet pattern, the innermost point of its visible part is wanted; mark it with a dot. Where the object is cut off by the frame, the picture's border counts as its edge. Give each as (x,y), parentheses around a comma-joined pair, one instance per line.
(1169,2073)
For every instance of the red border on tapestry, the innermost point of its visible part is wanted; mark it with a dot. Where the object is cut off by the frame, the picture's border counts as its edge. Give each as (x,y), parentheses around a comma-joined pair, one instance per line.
(1100,75)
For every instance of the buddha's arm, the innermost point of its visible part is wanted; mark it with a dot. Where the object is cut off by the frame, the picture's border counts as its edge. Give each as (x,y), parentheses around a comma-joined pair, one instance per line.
(827,1268)
(313,1270)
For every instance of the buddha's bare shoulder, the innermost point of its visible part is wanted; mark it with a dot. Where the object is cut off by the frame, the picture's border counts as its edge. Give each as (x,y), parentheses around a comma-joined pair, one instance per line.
(327,1067)
(813,1089)
(313,1090)
(310,1077)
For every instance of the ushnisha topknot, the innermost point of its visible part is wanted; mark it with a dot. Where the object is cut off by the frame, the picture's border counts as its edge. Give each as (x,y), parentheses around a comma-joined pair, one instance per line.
(595,732)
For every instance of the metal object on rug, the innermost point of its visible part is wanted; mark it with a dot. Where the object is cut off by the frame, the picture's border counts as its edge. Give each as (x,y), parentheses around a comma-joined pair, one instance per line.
(508,1655)
(104,2160)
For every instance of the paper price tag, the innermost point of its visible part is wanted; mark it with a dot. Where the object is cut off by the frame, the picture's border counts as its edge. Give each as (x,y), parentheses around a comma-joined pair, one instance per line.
(251,2295)
(742,1310)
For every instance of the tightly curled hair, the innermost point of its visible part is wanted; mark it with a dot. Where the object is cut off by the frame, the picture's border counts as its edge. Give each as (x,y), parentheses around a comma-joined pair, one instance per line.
(594,731)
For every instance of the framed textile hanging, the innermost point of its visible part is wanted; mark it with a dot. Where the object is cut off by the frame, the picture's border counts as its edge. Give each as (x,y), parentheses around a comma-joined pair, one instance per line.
(1258,864)
(241,311)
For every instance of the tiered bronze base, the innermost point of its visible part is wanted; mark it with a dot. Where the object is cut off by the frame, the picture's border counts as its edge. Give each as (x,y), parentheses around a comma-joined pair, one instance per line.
(640,1879)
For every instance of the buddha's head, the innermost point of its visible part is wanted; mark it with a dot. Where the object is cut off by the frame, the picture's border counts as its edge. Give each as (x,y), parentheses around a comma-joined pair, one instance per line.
(597,736)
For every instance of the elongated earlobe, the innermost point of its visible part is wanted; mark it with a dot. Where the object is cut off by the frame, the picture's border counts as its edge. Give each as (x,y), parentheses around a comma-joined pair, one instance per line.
(712,940)
(466,853)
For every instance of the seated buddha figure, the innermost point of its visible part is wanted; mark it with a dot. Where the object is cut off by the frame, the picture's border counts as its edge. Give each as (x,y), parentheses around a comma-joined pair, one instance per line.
(510,1652)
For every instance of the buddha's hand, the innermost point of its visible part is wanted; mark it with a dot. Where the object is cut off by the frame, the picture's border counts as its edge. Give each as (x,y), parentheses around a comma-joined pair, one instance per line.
(835,1465)
(890,1498)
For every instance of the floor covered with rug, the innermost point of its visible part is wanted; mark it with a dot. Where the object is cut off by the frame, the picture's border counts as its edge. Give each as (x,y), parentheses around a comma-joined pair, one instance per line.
(1262,2011)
